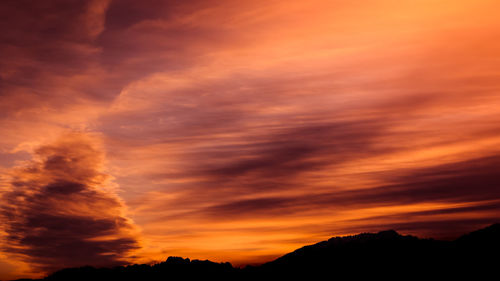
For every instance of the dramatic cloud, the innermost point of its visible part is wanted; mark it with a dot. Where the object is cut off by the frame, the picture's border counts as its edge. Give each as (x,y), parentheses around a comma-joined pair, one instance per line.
(240,130)
(58,211)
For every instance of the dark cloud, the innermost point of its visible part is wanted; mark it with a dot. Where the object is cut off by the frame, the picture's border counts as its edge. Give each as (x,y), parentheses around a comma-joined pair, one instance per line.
(165,38)
(251,207)
(474,181)
(463,181)
(46,44)
(41,20)
(123,14)
(57,213)
(281,160)
(302,148)
(43,45)
(47,36)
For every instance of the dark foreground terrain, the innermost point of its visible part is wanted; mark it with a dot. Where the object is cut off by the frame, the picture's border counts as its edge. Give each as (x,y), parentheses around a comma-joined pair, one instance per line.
(386,255)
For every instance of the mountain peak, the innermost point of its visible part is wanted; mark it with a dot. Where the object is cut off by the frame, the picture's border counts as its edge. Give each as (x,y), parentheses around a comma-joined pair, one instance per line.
(389,233)
(386,254)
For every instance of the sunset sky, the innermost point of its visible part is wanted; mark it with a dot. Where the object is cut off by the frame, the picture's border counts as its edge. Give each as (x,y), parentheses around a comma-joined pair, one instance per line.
(238,131)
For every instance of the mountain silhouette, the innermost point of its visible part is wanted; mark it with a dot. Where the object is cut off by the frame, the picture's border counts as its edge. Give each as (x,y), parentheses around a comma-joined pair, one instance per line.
(386,255)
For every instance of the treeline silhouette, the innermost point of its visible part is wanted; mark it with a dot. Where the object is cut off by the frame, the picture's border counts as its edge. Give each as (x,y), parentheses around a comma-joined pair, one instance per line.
(386,255)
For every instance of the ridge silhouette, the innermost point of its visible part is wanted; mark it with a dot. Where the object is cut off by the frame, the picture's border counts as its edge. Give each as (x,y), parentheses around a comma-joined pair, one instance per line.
(386,255)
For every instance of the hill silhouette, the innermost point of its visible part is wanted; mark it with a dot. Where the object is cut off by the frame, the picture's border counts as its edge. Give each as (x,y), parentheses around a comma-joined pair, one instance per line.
(386,255)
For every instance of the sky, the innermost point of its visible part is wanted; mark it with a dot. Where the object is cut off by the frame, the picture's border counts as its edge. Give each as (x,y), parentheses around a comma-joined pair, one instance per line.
(241,130)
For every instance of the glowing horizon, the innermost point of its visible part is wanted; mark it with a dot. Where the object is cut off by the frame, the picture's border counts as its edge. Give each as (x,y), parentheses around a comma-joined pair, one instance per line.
(241,130)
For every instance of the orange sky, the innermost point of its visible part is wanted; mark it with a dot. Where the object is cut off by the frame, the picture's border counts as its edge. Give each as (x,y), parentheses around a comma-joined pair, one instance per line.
(240,130)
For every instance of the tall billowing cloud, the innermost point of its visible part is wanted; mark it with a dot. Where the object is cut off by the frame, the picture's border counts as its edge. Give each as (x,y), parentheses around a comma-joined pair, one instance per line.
(60,210)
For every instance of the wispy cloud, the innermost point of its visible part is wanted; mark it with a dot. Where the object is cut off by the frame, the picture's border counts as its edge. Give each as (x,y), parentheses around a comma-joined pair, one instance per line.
(240,130)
